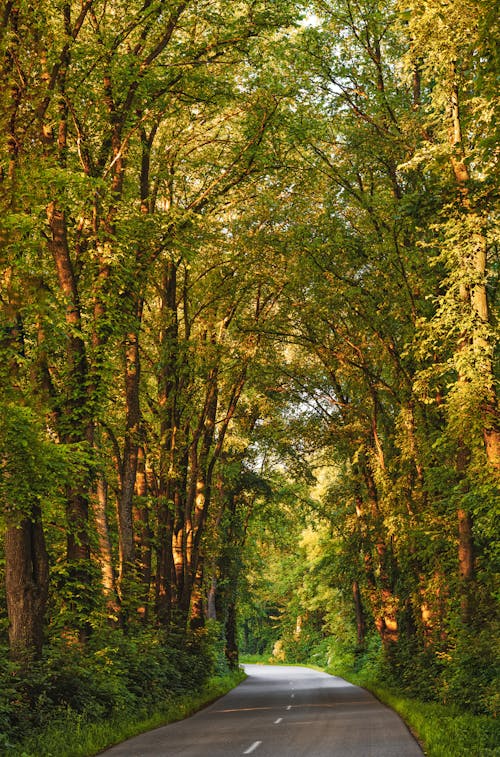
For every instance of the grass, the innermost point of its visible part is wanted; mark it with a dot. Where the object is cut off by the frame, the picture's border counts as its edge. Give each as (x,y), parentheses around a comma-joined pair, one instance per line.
(72,736)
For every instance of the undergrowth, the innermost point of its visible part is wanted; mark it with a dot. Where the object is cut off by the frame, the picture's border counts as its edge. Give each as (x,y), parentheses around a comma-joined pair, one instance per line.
(71,735)
(77,700)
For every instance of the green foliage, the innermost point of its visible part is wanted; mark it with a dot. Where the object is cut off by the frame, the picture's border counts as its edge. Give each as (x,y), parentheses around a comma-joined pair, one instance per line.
(114,674)
(33,467)
(75,598)
(470,676)
(71,733)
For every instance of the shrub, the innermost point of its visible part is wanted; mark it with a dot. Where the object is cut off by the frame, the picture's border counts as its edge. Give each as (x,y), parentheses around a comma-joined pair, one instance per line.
(470,673)
(115,672)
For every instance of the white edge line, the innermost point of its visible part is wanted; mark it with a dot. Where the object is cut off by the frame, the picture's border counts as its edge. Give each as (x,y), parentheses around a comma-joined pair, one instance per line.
(253,747)
(276,722)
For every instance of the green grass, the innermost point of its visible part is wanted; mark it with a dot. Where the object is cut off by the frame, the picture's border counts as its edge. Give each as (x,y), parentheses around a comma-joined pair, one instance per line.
(72,736)
(442,730)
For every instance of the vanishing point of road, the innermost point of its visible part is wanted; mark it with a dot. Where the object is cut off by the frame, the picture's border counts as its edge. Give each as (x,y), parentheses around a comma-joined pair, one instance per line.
(282,711)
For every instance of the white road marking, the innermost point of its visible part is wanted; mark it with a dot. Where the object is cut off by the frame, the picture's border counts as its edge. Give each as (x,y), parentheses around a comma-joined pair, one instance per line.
(278,721)
(253,747)
(292,695)
(289,707)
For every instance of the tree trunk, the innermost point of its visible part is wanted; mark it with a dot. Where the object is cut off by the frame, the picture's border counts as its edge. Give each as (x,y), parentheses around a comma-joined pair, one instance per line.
(211,600)
(231,629)
(360,618)
(75,427)
(130,451)
(465,564)
(172,463)
(99,506)
(384,602)
(27,584)
(196,603)
(474,293)
(164,563)
(142,533)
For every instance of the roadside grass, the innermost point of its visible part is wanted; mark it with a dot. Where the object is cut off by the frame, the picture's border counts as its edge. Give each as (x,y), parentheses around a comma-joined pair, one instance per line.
(73,736)
(442,730)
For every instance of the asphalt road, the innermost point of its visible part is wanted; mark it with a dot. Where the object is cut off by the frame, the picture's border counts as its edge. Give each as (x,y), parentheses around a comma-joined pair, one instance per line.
(282,711)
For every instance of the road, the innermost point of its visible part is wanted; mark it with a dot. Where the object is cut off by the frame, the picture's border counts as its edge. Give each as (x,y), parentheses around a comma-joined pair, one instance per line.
(282,711)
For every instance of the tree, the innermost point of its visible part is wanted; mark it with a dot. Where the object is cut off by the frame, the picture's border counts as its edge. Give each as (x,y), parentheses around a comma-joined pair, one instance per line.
(111,150)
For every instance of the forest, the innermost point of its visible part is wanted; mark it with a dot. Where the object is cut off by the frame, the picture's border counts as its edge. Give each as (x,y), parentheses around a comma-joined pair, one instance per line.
(248,348)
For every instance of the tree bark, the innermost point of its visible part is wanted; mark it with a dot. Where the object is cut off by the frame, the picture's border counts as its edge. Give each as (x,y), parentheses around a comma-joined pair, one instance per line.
(211,600)
(130,450)
(168,495)
(27,585)
(384,602)
(360,618)
(99,506)
(142,533)
(231,629)
(466,565)
(75,425)
(475,294)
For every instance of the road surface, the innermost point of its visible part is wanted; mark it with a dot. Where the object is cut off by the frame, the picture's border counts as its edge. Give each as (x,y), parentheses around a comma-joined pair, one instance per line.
(282,711)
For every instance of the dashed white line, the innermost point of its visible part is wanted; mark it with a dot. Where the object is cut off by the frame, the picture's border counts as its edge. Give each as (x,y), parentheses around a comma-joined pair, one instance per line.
(289,707)
(292,695)
(253,747)
(276,722)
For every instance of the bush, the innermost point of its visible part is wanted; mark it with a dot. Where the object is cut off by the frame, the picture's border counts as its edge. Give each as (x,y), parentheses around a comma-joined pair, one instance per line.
(114,673)
(470,673)
(411,668)
(345,656)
